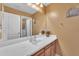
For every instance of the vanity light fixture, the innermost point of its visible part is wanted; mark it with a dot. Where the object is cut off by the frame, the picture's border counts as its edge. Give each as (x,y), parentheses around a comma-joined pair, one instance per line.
(37,3)
(37,6)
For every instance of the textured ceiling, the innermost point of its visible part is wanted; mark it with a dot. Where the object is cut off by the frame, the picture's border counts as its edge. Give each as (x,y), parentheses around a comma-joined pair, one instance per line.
(23,7)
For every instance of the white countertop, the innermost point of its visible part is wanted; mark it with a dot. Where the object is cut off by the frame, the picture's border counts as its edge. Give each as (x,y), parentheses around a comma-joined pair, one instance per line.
(26,48)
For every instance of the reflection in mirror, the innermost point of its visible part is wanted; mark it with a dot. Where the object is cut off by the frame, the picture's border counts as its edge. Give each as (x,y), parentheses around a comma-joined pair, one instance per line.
(26,26)
(16,26)
(11,26)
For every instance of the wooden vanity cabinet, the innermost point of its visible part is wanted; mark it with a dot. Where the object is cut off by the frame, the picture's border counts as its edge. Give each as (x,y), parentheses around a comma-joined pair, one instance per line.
(49,50)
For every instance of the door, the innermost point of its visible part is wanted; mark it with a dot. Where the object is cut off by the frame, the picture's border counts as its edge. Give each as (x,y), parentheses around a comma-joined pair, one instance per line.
(29,26)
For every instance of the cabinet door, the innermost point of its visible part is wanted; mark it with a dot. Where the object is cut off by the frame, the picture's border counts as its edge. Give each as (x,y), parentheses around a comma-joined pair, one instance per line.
(53,49)
(58,49)
(48,50)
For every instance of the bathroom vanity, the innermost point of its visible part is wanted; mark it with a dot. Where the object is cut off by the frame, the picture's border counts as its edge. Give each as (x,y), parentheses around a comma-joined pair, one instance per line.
(41,46)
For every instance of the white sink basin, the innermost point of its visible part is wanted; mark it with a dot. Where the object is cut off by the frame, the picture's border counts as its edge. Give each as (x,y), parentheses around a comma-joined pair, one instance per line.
(38,38)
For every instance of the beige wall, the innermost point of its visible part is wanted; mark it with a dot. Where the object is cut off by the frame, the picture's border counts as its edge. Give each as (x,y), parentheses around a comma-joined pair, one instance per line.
(67,29)
(39,24)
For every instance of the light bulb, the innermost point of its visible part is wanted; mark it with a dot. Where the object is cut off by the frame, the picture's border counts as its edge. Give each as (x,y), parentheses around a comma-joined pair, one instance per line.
(41,5)
(29,4)
(37,3)
(33,6)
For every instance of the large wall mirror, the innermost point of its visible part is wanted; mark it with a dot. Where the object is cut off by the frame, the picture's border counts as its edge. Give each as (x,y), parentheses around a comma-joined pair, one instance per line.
(15,26)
